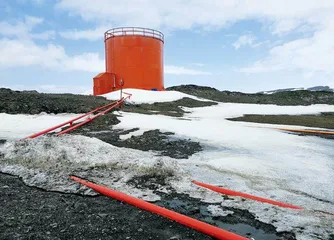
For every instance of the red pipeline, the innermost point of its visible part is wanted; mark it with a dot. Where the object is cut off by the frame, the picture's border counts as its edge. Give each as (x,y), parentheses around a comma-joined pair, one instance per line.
(245,195)
(203,227)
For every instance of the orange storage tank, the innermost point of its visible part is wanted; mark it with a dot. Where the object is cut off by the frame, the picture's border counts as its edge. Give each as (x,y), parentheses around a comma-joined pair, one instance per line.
(134,59)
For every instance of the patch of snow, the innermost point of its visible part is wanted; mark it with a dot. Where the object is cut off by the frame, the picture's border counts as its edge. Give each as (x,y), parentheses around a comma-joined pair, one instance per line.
(129,135)
(231,110)
(218,211)
(17,126)
(259,161)
(48,161)
(145,96)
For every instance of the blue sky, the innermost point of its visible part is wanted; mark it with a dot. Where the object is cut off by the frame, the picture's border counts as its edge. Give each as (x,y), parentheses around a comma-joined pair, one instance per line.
(241,45)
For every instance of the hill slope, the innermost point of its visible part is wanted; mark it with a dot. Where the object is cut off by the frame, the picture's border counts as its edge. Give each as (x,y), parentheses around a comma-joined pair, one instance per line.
(301,97)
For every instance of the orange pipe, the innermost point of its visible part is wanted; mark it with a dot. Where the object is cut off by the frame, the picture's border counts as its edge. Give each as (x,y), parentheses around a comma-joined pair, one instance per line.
(92,118)
(245,195)
(203,227)
(299,130)
(305,131)
(69,122)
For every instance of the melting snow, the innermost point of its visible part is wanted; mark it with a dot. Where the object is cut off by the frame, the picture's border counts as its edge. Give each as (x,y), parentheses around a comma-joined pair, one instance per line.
(145,96)
(48,161)
(264,162)
(20,125)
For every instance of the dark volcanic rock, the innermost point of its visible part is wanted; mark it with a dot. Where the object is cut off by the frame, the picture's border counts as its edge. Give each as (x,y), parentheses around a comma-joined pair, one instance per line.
(30,213)
(167,108)
(32,102)
(163,143)
(301,97)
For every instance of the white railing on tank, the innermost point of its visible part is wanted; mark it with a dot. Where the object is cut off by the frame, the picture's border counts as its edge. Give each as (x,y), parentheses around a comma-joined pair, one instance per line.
(134,31)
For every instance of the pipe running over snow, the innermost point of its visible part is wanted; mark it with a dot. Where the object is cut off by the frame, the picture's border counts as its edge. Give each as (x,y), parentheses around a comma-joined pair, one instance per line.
(245,195)
(203,227)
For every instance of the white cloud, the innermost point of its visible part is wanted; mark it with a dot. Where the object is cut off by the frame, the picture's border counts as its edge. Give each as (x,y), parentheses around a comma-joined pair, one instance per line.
(49,56)
(310,54)
(50,34)
(23,29)
(278,17)
(176,14)
(19,27)
(244,40)
(178,70)
(54,57)
(89,34)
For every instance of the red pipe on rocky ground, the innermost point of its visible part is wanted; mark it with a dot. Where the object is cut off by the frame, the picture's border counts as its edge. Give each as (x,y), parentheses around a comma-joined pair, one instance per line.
(245,195)
(107,108)
(92,118)
(203,227)
(68,122)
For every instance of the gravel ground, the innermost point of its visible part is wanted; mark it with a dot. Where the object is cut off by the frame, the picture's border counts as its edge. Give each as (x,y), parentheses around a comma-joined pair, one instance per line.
(32,213)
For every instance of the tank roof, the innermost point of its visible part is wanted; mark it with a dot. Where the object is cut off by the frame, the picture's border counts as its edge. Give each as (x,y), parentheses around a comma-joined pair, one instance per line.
(134,31)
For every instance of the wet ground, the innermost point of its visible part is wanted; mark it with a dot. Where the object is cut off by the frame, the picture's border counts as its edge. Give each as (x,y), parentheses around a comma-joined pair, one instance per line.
(32,213)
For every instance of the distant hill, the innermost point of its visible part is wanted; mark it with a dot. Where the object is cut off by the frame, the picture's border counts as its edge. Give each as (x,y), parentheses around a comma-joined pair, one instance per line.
(313,89)
(293,96)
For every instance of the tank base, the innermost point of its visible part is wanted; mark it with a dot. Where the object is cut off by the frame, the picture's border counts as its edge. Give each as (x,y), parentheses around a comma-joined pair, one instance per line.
(108,82)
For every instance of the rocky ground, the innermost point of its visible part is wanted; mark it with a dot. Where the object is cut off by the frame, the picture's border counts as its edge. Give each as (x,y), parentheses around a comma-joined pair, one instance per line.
(301,97)
(323,120)
(164,143)
(32,102)
(31,213)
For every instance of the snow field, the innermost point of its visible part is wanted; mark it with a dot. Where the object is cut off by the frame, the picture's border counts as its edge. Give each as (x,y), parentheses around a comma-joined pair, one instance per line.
(237,155)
